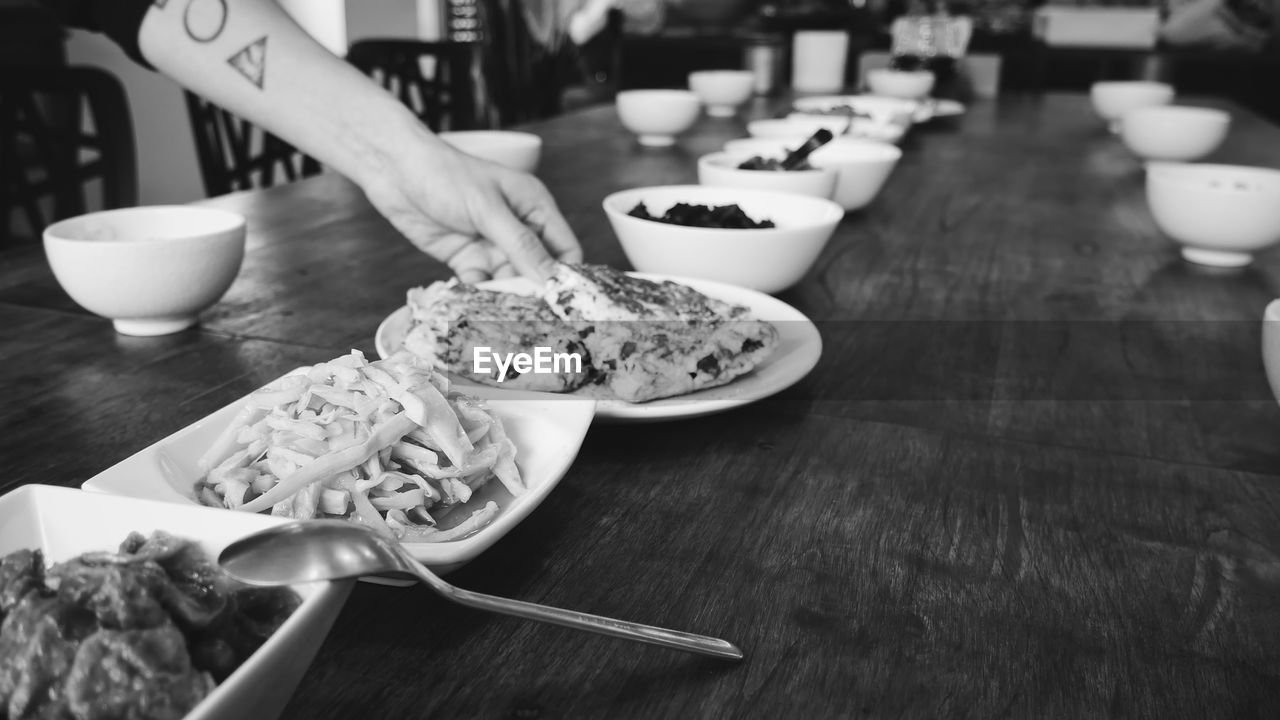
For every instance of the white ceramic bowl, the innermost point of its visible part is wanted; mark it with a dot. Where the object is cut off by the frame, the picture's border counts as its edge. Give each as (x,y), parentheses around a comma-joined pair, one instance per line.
(1112,99)
(909,84)
(800,125)
(862,166)
(796,126)
(1174,133)
(722,91)
(658,116)
(152,270)
(722,169)
(518,150)
(65,523)
(1271,346)
(769,260)
(1220,214)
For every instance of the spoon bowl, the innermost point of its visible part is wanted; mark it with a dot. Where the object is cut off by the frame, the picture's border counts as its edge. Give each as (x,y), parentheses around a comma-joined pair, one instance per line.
(307,551)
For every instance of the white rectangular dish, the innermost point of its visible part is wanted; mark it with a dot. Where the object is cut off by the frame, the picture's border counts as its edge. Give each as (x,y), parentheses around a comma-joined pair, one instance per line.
(547,431)
(64,523)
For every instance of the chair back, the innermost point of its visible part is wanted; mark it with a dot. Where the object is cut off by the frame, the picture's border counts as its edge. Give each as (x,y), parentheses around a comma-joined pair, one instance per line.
(438,81)
(63,132)
(235,154)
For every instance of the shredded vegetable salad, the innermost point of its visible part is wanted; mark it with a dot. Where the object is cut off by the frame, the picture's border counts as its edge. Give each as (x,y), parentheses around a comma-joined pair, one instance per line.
(384,443)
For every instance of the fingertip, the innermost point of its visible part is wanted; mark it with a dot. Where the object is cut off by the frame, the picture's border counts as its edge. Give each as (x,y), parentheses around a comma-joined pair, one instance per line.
(571,256)
(471,276)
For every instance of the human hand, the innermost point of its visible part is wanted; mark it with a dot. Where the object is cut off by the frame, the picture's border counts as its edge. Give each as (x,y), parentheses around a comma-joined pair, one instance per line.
(483,220)
(590,20)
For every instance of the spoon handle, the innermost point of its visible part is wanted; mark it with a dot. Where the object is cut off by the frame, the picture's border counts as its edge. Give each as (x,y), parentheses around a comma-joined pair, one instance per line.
(701,644)
(793,159)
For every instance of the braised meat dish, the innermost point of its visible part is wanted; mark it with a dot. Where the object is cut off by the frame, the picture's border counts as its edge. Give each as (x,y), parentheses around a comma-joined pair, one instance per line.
(145,633)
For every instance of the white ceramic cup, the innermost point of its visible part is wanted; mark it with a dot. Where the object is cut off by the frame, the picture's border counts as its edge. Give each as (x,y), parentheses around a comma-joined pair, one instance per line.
(818,60)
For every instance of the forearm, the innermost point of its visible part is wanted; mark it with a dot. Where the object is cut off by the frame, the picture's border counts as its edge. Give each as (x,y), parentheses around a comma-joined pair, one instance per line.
(249,57)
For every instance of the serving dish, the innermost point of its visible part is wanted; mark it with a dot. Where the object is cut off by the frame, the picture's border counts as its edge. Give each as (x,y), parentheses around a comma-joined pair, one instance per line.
(656,117)
(1271,346)
(882,109)
(768,259)
(722,91)
(546,429)
(862,166)
(724,169)
(908,84)
(799,348)
(1220,215)
(153,269)
(1174,133)
(64,523)
(1113,98)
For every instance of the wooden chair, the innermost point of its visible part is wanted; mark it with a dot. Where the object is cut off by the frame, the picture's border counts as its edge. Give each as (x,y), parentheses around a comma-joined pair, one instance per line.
(235,154)
(66,135)
(439,81)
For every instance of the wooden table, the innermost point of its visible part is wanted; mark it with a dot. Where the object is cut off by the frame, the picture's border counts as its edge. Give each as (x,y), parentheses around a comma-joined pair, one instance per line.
(1036,473)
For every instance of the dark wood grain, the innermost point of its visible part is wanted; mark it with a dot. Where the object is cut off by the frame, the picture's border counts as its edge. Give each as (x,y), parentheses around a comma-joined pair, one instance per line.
(935,576)
(1035,473)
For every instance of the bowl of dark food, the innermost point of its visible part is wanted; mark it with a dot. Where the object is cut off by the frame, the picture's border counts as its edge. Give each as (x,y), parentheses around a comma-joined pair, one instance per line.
(760,173)
(760,239)
(862,167)
(790,172)
(115,608)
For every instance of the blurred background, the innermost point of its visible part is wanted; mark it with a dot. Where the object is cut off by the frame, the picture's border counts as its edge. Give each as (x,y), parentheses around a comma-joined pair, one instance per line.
(526,65)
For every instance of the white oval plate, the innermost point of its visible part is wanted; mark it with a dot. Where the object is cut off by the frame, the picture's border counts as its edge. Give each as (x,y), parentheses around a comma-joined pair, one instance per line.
(799,347)
(547,431)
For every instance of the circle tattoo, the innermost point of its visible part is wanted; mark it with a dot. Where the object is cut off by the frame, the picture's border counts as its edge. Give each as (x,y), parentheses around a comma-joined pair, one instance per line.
(205,19)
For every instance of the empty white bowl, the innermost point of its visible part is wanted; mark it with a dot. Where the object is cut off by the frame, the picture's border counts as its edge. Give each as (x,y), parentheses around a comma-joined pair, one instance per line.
(1173,132)
(1112,99)
(517,150)
(862,166)
(766,259)
(1271,346)
(722,91)
(722,169)
(658,116)
(1220,214)
(909,84)
(151,270)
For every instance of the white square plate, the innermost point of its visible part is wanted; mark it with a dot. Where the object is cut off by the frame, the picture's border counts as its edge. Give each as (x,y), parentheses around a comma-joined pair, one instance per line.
(547,431)
(64,523)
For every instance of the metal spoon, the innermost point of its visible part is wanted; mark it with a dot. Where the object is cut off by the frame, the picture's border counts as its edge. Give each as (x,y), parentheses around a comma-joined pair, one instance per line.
(308,551)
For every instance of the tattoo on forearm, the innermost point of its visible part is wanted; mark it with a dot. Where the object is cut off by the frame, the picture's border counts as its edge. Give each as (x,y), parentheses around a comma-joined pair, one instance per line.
(204,19)
(251,62)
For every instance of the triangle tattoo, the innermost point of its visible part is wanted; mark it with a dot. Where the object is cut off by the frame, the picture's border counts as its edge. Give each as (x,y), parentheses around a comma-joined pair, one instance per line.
(251,62)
